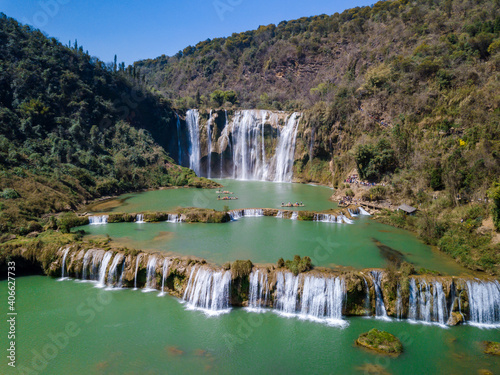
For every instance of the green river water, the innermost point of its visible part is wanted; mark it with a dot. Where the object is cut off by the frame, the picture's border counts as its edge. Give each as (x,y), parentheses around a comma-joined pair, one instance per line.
(130,332)
(69,327)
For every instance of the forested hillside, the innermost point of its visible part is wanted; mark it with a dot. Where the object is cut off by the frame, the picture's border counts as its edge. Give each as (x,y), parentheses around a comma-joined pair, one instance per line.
(72,129)
(402,92)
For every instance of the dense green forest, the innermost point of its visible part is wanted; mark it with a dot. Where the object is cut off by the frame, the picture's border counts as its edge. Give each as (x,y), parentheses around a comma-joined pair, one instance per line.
(72,129)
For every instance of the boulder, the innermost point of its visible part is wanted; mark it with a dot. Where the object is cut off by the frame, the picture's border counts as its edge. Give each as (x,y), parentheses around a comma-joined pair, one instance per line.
(455,319)
(491,347)
(381,342)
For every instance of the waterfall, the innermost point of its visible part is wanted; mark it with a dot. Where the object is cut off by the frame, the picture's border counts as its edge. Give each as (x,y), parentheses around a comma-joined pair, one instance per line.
(192,122)
(65,254)
(427,302)
(120,282)
(112,273)
(346,220)
(399,303)
(248,145)
(367,298)
(326,218)
(102,269)
(279,215)
(285,150)
(236,214)
(166,264)
(295,215)
(286,293)
(172,218)
(322,300)
(86,261)
(98,220)
(363,212)
(139,219)
(253,212)
(136,270)
(484,302)
(179,148)
(258,291)
(209,145)
(353,213)
(209,291)
(150,275)
(380,311)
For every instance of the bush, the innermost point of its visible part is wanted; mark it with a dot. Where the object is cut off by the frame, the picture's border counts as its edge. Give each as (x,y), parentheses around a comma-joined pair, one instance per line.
(9,193)
(298,265)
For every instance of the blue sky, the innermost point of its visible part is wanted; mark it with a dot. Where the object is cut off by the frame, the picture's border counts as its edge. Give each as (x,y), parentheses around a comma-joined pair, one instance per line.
(135,30)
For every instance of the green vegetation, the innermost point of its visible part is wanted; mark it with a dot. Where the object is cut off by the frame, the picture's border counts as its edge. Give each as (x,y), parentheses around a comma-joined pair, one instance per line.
(296,265)
(491,347)
(241,268)
(494,195)
(73,129)
(380,341)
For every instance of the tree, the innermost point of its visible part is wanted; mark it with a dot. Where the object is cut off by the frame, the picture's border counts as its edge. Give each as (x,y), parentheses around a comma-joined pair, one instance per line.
(494,194)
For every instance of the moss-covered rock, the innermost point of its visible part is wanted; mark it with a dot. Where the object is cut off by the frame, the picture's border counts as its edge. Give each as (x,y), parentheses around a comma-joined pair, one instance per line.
(381,342)
(455,319)
(491,347)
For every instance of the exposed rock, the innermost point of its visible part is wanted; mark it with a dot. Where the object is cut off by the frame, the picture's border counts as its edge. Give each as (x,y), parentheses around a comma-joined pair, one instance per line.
(381,342)
(491,347)
(456,318)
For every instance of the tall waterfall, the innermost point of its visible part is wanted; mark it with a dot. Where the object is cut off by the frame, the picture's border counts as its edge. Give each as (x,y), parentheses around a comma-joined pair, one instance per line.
(91,264)
(379,299)
(242,145)
(285,150)
(258,290)
(322,299)
(65,254)
(209,146)
(113,270)
(249,145)
(286,293)
(192,122)
(484,302)
(150,275)
(101,283)
(209,291)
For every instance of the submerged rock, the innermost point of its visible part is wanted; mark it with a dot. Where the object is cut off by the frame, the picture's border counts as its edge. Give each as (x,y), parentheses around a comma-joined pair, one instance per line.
(381,342)
(370,368)
(491,347)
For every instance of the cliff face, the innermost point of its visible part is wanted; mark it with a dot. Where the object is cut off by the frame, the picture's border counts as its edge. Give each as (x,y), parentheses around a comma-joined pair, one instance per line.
(322,293)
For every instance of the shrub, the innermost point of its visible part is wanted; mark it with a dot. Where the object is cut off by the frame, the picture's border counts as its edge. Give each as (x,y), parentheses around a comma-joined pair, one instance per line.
(9,193)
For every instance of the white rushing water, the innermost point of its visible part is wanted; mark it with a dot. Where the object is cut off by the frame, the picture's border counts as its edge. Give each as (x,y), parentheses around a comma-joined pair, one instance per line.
(63,274)
(484,303)
(164,275)
(285,300)
(113,271)
(295,215)
(285,150)
(427,302)
(363,212)
(98,220)
(327,218)
(236,214)
(322,300)
(193,125)
(139,219)
(137,261)
(380,311)
(244,141)
(253,212)
(173,218)
(150,274)
(279,215)
(209,145)
(258,291)
(208,291)
(101,282)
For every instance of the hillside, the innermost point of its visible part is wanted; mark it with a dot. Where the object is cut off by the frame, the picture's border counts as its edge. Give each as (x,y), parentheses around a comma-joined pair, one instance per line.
(73,129)
(404,93)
